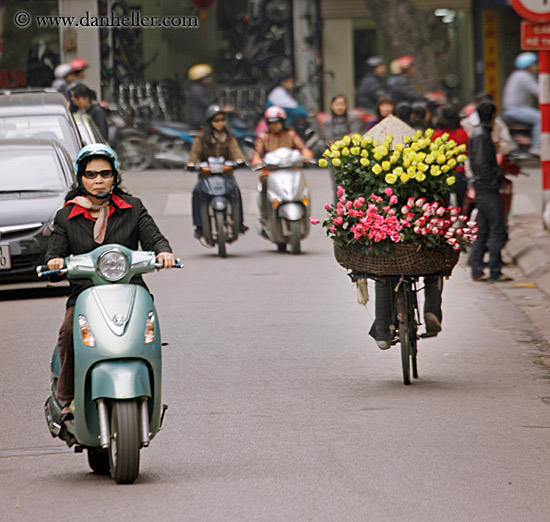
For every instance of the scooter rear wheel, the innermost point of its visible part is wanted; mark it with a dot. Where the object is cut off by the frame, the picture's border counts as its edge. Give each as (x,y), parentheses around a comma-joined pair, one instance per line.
(125,444)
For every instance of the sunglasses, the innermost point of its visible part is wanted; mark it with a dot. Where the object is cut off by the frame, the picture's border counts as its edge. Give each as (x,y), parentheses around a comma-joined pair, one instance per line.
(218,120)
(92,174)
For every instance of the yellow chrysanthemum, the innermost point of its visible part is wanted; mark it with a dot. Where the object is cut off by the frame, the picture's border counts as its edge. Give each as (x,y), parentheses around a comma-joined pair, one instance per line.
(335,153)
(452,163)
(345,151)
(445,168)
(386,165)
(336,162)
(462,148)
(378,156)
(355,151)
(364,153)
(377,169)
(461,158)
(323,162)
(451,180)
(420,177)
(429,133)
(411,171)
(399,147)
(346,139)
(390,178)
(326,153)
(406,139)
(429,159)
(441,159)
(404,178)
(364,162)
(422,167)
(334,146)
(398,171)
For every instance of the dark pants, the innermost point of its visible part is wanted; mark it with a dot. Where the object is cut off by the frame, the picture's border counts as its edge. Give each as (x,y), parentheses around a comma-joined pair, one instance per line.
(65,348)
(491,234)
(380,330)
(461,185)
(197,195)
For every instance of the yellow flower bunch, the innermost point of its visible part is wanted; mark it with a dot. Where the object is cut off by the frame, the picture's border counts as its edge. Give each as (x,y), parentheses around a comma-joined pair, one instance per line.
(418,166)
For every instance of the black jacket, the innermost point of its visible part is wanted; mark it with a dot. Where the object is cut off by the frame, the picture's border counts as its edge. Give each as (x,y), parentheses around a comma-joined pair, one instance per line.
(97,113)
(369,90)
(129,224)
(198,103)
(483,161)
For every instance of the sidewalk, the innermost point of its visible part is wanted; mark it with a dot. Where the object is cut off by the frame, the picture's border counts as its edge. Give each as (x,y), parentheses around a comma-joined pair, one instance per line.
(529,244)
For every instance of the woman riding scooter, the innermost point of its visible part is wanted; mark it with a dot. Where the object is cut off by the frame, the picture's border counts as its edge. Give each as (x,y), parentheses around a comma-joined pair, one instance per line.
(277,136)
(98,211)
(214,140)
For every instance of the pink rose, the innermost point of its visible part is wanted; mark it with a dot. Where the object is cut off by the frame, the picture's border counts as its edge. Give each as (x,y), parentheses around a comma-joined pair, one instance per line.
(393,199)
(420,202)
(339,220)
(440,211)
(348,204)
(332,228)
(410,202)
(340,191)
(405,209)
(388,191)
(327,206)
(357,203)
(313,221)
(340,211)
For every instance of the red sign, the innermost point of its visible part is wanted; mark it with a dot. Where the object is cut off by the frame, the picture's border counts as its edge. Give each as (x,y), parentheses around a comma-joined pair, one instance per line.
(532,10)
(535,37)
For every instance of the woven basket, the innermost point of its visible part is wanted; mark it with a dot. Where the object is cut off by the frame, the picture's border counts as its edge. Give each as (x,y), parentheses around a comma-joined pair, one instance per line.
(402,259)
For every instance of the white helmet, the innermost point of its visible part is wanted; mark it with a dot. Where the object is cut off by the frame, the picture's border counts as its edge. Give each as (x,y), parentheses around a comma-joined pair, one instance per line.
(62,70)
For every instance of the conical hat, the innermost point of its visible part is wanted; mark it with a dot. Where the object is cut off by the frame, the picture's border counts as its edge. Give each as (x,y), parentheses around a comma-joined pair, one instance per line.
(390,125)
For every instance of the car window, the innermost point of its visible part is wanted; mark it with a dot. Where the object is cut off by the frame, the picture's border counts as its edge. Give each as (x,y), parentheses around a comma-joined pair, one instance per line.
(84,133)
(30,170)
(39,126)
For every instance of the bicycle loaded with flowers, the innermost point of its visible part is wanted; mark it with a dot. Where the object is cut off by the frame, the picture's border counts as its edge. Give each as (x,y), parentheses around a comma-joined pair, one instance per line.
(392,214)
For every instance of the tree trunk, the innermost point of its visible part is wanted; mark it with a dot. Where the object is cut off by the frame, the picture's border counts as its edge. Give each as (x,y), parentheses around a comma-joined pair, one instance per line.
(407,31)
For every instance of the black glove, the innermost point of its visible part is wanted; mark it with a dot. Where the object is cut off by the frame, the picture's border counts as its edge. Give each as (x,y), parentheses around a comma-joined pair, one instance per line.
(191,168)
(241,165)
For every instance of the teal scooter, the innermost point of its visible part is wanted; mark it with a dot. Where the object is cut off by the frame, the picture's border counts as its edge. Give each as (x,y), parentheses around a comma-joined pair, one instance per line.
(117,407)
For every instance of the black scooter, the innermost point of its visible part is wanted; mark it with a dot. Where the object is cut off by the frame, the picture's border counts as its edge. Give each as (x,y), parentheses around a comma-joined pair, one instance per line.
(218,203)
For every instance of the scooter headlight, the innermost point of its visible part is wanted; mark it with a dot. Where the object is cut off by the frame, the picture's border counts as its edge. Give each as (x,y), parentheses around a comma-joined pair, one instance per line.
(112,265)
(86,332)
(149,328)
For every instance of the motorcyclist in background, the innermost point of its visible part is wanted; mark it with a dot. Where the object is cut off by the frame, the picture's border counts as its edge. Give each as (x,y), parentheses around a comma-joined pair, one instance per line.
(520,88)
(214,140)
(200,76)
(281,96)
(400,84)
(372,85)
(277,136)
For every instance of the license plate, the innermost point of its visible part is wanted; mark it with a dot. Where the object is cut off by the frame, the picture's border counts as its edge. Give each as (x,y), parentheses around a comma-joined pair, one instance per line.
(5,257)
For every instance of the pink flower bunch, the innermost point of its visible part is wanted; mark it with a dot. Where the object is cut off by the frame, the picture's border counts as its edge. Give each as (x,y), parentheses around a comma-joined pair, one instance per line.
(382,217)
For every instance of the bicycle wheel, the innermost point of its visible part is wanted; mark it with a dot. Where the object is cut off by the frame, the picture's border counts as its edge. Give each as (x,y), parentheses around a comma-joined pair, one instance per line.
(405,334)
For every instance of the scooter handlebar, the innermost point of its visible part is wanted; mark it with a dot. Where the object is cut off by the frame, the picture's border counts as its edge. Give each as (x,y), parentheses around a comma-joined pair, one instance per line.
(178,264)
(43,271)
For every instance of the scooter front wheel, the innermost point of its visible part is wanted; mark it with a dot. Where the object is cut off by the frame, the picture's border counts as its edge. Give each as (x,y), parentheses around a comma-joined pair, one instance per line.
(220,225)
(125,445)
(295,237)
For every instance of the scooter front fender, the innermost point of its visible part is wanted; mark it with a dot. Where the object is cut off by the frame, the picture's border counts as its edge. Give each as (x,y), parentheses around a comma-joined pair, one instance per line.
(291,211)
(120,379)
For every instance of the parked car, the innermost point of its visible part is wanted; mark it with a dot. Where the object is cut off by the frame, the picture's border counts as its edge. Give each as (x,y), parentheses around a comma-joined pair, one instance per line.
(88,129)
(34,178)
(39,115)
